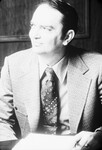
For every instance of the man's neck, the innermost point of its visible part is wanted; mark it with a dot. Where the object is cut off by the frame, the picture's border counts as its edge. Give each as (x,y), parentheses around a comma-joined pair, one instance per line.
(51,59)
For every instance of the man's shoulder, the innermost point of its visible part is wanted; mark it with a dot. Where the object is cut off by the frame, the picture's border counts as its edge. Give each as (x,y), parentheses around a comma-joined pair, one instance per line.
(85,54)
(21,59)
(92,57)
(92,60)
(19,63)
(20,54)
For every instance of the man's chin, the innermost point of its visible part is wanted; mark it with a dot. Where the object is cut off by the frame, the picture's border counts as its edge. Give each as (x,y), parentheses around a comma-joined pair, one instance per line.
(38,51)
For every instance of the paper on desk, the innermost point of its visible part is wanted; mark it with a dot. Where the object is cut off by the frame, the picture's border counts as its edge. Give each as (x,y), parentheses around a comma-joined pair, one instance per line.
(45,142)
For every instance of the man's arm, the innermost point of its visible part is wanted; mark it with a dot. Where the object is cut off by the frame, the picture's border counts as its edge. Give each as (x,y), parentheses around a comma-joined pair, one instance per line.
(7,120)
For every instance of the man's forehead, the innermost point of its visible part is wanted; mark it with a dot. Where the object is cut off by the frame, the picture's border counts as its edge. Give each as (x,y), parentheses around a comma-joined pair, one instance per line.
(46,13)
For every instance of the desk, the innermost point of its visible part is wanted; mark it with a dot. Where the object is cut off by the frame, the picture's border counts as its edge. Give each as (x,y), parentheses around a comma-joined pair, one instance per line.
(7,145)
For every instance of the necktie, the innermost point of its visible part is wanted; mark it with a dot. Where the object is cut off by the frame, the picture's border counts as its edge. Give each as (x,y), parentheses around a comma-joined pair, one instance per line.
(49,99)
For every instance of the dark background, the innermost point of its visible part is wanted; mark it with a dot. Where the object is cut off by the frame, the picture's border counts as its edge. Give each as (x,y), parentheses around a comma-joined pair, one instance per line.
(11,10)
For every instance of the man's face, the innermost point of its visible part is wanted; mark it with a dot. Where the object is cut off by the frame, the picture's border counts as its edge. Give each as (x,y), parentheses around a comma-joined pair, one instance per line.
(46,30)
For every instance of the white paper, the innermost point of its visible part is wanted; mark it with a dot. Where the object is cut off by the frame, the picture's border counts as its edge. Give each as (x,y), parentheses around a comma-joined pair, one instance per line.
(45,142)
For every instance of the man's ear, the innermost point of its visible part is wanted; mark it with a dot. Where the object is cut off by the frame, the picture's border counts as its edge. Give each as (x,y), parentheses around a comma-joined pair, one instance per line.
(69,36)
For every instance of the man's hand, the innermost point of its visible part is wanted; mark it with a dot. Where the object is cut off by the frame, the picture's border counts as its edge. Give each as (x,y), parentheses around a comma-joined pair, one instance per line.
(88,141)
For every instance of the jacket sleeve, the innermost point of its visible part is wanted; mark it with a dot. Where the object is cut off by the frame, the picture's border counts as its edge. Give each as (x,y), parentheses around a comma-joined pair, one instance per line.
(7,115)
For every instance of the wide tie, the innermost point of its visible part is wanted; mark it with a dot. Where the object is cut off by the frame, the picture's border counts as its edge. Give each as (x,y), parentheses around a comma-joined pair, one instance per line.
(49,99)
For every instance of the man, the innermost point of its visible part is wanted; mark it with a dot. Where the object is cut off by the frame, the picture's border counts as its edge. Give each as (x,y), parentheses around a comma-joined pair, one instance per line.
(79,75)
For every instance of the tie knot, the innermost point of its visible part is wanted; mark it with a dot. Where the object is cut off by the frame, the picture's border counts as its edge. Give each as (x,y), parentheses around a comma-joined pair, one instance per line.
(49,75)
(49,72)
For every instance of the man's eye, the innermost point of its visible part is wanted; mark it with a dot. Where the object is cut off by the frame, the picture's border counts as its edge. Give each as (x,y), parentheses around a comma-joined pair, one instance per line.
(47,28)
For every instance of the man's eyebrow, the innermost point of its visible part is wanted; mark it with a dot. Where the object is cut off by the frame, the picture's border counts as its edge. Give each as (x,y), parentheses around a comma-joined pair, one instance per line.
(48,26)
(45,26)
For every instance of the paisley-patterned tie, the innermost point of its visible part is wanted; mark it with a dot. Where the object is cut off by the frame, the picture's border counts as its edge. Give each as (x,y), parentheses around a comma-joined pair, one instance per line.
(49,99)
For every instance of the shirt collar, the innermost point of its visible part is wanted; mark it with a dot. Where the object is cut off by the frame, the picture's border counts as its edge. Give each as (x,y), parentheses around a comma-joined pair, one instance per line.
(60,68)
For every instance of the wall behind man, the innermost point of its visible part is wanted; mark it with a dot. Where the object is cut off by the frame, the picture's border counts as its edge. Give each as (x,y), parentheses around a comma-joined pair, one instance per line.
(94,41)
(11,11)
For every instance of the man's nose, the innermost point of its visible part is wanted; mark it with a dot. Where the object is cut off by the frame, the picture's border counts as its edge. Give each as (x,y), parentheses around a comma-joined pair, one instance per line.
(37,34)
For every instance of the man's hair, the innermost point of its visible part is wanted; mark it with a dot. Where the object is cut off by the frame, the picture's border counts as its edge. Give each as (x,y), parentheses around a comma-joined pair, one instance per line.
(70,17)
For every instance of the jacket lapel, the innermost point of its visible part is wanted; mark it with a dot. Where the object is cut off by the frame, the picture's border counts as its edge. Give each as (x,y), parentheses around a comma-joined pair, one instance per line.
(78,85)
(31,96)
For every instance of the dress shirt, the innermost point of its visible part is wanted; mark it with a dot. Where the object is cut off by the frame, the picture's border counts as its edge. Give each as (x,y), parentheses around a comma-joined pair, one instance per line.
(60,68)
